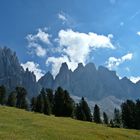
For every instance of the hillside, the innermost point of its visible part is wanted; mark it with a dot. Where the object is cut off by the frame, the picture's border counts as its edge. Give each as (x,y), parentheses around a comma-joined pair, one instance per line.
(18,124)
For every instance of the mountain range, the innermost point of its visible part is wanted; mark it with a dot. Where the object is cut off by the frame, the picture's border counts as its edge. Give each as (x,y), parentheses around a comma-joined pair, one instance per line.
(98,85)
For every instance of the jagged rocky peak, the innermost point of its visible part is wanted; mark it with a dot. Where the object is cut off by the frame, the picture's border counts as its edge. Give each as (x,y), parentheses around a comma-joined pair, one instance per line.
(63,68)
(9,62)
(126,80)
(103,70)
(47,80)
(91,67)
(80,67)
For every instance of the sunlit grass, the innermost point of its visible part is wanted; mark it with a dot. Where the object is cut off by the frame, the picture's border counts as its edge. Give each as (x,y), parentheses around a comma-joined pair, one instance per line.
(16,124)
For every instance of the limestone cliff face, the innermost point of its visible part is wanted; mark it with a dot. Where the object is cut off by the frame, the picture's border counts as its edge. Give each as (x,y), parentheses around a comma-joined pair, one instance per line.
(12,74)
(95,84)
(87,81)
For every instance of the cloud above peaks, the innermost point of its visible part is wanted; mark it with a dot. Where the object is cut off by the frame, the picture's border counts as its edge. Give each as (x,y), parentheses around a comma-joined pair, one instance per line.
(33,67)
(35,40)
(75,47)
(114,62)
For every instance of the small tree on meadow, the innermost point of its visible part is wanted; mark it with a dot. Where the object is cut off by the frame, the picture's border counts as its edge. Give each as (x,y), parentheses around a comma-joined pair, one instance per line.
(96,114)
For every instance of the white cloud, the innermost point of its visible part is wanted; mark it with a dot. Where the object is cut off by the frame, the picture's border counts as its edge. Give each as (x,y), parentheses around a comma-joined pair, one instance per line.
(113,62)
(138,33)
(57,61)
(40,36)
(62,17)
(134,79)
(38,49)
(76,47)
(33,42)
(33,67)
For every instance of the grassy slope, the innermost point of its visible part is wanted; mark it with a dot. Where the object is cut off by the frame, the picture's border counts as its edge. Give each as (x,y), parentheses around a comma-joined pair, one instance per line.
(18,124)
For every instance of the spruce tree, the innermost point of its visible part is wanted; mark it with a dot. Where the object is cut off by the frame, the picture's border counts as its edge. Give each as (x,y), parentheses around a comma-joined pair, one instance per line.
(33,103)
(12,99)
(47,107)
(96,114)
(2,95)
(117,118)
(128,114)
(68,104)
(137,115)
(82,111)
(105,118)
(39,104)
(59,102)
(86,109)
(79,113)
(22,101)
(50,98)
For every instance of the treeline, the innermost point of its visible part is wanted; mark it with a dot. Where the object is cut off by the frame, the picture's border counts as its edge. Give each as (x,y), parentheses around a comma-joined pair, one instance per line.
(59,103)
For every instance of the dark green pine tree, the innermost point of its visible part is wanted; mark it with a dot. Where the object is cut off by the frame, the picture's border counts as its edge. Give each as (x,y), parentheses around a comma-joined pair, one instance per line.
(86,109)
(96,114)
(47,106)
(12,99)
(117,118)
(68,105)
(82,111)
(105,118)
(137,117)
(128,114)
(50,97)
(79,113)
(33,103)
(22,101)
(2,95)
(39,104)
(59,102)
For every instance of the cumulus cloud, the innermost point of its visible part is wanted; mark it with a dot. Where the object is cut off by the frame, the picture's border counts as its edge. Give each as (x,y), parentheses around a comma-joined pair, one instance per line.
(76,47)
(134,79)
(138,33)
(40,36)
(113,62)
(33,67)
(34,42)
(38,49)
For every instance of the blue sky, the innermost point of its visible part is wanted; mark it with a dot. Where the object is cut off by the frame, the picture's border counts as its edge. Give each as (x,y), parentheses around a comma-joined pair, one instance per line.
(45,33)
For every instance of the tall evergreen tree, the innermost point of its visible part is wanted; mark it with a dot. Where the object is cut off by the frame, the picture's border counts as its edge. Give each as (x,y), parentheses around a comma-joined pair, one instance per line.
(12,99)
(2,95)
(68,104)
(59,102)
(33,103)
(137,115)
(128,114)
(82,111)
(47,107)
(63,104)
(22,101)
(96,114)
(79,113)
(117,118)
(105,118)
(86,109)
(50,98)
(39,104)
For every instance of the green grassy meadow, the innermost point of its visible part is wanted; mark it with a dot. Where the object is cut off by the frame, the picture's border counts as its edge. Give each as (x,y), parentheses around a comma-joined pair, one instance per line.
(16,124)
